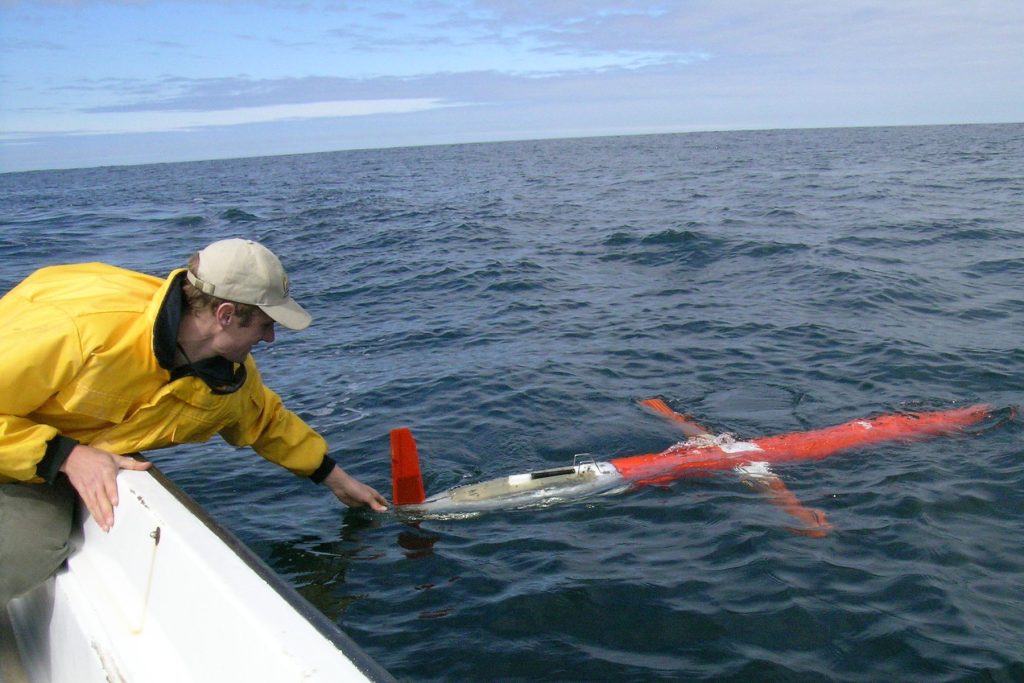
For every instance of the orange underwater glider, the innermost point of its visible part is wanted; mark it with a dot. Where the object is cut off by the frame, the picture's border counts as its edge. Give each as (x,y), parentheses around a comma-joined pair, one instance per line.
(700,453)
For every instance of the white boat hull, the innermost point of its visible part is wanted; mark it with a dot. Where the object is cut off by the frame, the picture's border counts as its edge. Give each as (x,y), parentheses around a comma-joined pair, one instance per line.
(169,595)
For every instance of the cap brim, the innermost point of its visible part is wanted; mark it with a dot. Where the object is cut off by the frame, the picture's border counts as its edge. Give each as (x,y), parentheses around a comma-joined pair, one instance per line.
(289,314)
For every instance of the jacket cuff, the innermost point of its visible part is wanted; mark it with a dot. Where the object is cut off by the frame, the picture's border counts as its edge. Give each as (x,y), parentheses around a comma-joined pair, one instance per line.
(57,451)
(325,468)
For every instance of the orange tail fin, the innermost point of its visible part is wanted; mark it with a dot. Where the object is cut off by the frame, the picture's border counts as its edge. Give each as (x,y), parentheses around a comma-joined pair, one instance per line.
(406,479)
(688,425)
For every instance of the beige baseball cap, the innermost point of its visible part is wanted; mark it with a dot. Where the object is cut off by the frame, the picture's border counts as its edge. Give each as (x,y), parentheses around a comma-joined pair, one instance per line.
(246,272)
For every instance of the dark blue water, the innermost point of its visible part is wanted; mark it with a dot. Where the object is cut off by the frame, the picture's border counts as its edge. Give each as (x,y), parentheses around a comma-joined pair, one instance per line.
(511,302)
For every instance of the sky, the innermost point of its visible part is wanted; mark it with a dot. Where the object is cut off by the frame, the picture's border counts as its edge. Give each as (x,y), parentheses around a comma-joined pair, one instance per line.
(88,83)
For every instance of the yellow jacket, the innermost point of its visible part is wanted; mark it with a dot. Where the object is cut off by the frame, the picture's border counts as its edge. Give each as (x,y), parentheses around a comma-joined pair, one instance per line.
(77,360)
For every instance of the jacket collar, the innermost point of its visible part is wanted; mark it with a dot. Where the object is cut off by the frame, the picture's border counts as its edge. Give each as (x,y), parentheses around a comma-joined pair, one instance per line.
(220,375)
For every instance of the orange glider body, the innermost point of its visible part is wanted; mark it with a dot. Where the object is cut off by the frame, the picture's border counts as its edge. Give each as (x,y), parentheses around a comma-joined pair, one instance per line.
(682,459)
(701,453)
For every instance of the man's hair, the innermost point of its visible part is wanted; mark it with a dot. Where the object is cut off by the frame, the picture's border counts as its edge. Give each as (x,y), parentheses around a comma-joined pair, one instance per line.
(197,300)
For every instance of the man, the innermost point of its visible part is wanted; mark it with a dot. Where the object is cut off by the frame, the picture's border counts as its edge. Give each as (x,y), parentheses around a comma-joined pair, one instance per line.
(98,362)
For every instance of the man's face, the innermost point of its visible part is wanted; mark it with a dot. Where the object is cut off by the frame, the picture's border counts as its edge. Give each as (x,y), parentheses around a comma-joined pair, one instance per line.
(235,341)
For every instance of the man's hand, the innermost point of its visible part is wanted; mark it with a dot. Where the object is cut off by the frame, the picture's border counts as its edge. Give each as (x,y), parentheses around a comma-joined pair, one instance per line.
(353,492)
(93,473)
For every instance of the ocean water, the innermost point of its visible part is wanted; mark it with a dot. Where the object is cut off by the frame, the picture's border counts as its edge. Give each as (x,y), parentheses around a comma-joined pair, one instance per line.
(511,302)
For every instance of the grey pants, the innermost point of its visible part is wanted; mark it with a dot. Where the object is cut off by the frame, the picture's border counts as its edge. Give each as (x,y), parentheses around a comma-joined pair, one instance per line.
(35,531)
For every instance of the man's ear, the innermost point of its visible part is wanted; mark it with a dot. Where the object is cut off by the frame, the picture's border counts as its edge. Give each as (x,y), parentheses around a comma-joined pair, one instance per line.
(224,312)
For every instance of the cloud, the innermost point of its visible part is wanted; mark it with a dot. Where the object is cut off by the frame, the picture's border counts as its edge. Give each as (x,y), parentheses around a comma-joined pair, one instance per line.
(122,122)
(176,94)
